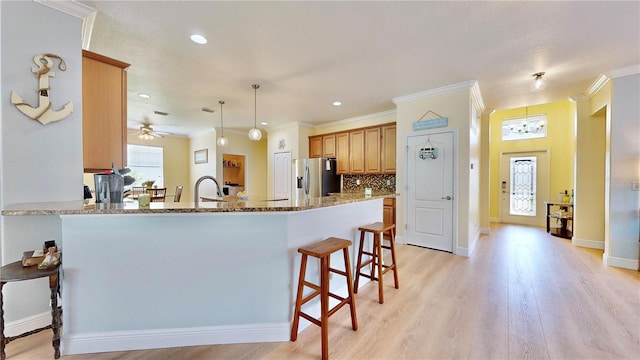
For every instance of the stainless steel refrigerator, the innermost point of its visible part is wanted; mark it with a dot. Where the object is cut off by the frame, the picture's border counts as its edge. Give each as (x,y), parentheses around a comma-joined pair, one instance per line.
(314,178)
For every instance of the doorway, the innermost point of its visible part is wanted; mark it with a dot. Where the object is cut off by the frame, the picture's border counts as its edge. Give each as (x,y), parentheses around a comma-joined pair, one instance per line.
(430,197)
(233,173)
(524,187)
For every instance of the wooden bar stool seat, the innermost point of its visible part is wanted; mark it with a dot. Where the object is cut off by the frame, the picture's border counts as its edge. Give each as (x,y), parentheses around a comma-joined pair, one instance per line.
(376,255)
(323,250)
(16,272)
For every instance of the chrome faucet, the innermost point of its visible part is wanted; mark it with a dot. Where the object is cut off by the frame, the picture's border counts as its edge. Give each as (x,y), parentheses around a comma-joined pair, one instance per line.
(196,190)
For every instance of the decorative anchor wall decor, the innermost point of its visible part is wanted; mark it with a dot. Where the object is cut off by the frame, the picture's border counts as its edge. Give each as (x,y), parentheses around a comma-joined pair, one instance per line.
(43,113)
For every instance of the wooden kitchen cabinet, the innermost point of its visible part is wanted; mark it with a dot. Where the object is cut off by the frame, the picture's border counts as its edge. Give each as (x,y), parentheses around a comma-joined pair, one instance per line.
(388,149)
(315,146)
(389,213)
(356,152)
(329,146)
(342,152)
(372,151)
(104,112)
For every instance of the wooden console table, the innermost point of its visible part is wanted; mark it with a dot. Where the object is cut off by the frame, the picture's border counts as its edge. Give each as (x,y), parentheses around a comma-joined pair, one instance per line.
(564,213)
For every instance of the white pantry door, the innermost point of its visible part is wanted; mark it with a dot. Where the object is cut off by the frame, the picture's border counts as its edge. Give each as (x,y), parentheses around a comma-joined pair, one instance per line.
(282,175)
(430,191)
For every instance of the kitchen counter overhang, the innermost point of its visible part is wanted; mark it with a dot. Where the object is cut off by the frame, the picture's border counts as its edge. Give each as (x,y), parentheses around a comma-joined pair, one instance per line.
(224,204)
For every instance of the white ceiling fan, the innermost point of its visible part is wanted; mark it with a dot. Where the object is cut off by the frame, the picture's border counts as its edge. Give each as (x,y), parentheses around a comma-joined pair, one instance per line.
(146,132)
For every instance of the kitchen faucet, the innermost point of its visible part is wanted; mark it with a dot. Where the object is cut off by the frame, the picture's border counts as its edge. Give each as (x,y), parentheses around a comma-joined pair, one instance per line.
(196,190)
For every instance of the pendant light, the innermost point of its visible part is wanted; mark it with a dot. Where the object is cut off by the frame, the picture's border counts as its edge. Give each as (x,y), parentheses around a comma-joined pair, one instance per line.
(255,134)
(539,83)
(222,141)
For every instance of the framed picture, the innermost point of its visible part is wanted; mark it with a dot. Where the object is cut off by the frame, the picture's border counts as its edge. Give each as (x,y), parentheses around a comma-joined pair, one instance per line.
(201,156)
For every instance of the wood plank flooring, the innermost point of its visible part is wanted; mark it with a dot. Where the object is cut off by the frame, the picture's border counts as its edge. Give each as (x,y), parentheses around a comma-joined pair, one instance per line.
(523,295)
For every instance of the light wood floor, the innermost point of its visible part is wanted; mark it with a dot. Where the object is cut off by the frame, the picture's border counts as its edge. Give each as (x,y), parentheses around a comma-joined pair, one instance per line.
(523,294)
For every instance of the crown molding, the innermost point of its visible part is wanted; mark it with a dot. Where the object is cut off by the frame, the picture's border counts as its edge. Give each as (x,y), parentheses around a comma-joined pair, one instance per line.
(625,71)
(434,92)
(76,9)
(597,85)
(477,97)
(358,118)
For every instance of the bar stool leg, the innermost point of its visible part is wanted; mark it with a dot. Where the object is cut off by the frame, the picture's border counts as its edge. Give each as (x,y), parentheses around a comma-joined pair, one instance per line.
(324,305)
(378,245)
(393,257)
(55,315)
(352,301)
(355,285)
(296,314)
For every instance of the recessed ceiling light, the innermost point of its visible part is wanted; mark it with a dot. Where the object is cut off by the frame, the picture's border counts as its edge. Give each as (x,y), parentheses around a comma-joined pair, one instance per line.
(337,103)
(198,39)
(143,95)
(263,123)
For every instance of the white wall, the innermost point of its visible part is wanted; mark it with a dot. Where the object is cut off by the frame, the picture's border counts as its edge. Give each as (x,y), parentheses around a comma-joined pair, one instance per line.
(38,163)
(452,102)
(205,140)
(624,203)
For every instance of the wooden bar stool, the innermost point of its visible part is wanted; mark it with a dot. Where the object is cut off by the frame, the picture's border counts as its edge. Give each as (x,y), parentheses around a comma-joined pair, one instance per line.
(377,230)
(16,272)
(323,250)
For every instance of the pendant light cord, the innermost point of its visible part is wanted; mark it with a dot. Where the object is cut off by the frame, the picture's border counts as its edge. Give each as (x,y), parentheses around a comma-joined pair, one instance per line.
(255,105)
(221,119)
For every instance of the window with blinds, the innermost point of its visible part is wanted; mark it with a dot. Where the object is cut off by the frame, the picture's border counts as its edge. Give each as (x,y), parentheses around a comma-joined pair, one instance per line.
(146,163)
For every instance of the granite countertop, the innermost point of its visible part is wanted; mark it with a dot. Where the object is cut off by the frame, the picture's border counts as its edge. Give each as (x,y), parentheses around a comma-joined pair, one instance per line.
(229,204)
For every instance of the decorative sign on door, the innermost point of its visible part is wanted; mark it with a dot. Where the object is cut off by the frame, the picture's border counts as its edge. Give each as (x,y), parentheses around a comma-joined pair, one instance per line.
(43,112)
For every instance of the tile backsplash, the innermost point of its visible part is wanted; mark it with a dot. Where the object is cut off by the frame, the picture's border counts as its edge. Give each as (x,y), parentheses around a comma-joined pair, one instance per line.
(377,182)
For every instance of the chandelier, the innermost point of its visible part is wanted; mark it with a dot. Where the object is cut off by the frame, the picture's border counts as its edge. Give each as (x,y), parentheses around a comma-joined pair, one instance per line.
(527,125)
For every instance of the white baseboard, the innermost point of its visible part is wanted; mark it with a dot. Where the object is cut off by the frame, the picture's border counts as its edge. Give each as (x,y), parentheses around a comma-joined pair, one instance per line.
(592,244)
(30,323)
(165,338)
(460,251)
(485,230)
(400,240)
(624,263)
(494,220)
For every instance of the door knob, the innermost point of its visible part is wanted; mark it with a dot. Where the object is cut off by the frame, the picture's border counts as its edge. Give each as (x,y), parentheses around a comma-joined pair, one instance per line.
(446,198)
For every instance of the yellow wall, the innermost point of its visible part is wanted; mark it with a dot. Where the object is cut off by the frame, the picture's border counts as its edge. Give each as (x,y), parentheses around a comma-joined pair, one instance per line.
(588,229)
(560,143)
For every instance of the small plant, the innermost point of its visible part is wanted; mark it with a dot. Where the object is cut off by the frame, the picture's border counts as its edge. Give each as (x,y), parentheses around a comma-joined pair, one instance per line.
(148,184)
(128,180)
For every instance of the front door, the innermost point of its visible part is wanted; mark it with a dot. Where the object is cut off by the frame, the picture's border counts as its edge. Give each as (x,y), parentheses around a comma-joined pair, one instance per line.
(524,187)
(430,191)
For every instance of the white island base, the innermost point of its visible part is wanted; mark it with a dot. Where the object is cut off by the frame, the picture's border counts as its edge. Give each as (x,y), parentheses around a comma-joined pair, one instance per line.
(145,281)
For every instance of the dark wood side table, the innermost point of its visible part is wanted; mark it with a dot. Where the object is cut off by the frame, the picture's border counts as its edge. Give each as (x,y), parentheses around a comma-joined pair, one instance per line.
(16,272)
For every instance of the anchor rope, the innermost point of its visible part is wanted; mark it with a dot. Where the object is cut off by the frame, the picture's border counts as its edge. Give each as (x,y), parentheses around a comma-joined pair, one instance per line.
(62,65)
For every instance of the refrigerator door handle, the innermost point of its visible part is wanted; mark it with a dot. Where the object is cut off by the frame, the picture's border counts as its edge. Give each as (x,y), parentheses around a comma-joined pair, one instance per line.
(306,180)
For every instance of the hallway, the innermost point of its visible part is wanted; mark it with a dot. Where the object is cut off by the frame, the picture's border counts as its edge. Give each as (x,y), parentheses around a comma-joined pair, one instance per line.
(523,294)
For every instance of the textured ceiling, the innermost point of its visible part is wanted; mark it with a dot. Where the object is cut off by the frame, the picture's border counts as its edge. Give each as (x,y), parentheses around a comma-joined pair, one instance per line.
(305,55)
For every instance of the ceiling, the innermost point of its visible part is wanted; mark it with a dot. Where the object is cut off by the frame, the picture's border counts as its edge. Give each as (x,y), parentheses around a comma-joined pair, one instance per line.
(305,55)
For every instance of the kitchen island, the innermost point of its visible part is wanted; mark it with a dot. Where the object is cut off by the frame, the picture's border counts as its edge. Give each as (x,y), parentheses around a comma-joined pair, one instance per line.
(180,274)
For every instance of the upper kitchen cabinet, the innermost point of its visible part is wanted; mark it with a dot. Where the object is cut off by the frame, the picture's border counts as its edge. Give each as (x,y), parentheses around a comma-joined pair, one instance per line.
(356,152)
(104,112)
(342,153)
(315,146)
(388,149)
(372,151)
(329,146)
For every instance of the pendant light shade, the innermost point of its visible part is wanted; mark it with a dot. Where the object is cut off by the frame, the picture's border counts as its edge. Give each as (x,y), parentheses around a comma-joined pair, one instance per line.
(255,134)
(222,141)
(539,83)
